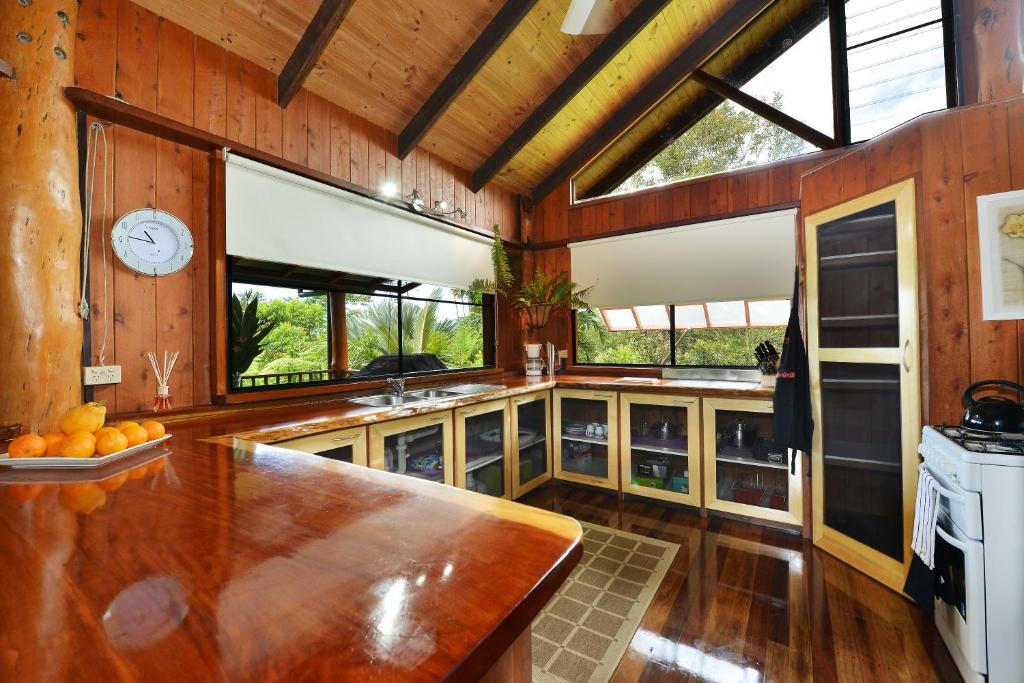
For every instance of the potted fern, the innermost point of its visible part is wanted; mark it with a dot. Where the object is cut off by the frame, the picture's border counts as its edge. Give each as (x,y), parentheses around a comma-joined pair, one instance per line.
(538,296)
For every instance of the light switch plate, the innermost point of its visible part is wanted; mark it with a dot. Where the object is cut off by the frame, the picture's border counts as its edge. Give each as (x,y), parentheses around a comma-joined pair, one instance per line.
(101,374)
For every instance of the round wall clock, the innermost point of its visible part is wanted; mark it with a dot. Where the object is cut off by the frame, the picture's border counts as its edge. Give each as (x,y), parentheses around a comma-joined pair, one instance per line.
(152,242)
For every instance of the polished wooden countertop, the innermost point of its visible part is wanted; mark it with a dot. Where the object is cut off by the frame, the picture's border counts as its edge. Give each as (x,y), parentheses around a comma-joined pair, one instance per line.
(202,561)
(304,417)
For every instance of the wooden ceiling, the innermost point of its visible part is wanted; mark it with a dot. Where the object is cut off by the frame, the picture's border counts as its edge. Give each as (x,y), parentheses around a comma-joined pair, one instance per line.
(388,57)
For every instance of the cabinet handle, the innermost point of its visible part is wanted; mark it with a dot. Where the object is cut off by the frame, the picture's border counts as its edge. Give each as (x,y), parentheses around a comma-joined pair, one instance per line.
(604,395)
(437,419)
(344,439)
(906,356)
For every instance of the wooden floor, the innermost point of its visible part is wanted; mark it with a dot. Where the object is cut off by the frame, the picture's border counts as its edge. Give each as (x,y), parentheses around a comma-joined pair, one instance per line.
(748,604)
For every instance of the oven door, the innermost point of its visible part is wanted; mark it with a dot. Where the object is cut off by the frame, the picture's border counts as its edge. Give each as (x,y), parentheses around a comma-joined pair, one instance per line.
(960,595)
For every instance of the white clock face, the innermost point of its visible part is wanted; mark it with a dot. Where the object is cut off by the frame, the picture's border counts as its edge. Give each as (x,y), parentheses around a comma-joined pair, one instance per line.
(152,242)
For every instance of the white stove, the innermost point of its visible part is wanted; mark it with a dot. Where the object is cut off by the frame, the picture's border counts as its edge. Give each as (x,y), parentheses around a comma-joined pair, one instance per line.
(981,531)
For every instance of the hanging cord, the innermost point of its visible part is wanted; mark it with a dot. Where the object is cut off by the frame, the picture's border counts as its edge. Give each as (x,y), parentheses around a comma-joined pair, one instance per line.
(96,132)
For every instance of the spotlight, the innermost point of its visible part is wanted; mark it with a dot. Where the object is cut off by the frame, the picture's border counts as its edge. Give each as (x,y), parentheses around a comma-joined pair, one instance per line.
(389,189)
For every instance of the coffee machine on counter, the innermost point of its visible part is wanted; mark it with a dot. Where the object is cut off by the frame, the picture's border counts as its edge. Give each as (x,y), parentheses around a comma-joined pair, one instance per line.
(535,364)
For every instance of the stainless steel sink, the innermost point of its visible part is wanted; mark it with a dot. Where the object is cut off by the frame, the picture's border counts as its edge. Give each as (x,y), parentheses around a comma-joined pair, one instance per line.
(433,393)
(387,400)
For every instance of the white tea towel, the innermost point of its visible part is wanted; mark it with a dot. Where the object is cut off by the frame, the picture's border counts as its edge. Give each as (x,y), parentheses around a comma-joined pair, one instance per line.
(926,516)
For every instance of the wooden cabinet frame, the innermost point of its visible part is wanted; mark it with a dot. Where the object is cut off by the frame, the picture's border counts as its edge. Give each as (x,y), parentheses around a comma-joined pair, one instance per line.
(693,446)
(354,436)
(906,356)
(545,397)
(379,432)
(611,399)
(461,415)
(794,515)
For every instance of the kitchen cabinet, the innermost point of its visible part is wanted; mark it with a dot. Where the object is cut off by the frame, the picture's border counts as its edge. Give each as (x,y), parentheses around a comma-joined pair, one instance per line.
(348,445)
(483,447)
(586,437)
(418,447)
(744,472)
(531,441)
(862,333)
(659,447)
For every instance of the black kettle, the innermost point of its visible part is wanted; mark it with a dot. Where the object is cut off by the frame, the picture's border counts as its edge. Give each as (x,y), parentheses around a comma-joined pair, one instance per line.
(993,413)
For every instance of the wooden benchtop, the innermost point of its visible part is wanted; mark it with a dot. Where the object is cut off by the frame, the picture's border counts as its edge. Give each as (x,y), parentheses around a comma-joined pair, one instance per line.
(285,420)
(258,563)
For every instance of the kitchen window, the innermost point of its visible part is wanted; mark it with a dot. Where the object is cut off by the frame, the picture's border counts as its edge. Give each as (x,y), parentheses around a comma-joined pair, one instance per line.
(712,334)
(320,327)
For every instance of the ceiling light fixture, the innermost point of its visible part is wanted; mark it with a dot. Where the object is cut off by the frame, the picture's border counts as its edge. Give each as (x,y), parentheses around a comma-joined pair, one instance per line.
(440,207)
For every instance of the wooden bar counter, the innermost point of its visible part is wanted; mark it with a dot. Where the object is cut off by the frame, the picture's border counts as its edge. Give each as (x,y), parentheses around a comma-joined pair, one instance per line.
(248,562)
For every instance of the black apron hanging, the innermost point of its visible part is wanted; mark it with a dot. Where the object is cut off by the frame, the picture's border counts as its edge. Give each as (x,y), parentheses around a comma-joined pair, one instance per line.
(792,404)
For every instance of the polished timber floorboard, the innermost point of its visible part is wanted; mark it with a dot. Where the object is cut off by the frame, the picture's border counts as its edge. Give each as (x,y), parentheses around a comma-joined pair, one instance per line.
(748,604)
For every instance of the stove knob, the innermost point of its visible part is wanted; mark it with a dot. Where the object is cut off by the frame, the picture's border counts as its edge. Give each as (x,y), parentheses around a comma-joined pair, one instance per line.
(954,477)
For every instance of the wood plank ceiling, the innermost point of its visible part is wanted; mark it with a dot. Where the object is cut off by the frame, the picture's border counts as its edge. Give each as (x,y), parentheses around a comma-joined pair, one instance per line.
(388,57)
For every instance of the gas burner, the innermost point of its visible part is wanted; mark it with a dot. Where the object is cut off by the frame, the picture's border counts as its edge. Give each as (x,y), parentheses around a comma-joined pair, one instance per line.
(980,441)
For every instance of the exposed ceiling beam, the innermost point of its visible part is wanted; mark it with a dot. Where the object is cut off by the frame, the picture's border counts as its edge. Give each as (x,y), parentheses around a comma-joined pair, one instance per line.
(682,66)
(754,63)
(627,29)
(311,46)
(765,111)
(510,14)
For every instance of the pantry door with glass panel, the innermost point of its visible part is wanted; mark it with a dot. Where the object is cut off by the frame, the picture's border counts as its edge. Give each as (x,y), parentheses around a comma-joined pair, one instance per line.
(862,334)
(587,437)
(419,447)
(531,441)
(660,447)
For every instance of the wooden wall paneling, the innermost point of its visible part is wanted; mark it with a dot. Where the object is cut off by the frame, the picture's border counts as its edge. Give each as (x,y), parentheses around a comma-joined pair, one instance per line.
(392,164)
(699,200)
(294,138)
(878,162)
(134,187)
(649,209)
(718,196)
(318,147)
(218,274)
(781,183)
(945,357)
(664,210)
(854,174)
(360,152)
(423,176)
(269,136)
(174,294)
(241,99)
(994,352)
(341,143)
(437,184)
(480,204)
(96,69)
(1015,110)
(738,198)
(906,156)
(210,101)
(409,172)
(210,113)
(377,164)
(759,188)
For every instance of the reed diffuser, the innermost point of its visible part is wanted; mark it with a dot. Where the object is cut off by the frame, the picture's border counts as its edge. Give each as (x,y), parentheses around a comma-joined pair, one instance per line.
(162,401)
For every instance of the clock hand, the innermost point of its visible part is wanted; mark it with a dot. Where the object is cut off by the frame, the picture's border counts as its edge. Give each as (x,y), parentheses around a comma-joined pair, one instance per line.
(139,239)
(146,233)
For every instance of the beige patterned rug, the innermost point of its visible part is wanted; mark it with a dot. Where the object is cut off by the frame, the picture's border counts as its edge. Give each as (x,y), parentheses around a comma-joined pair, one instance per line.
(583,632)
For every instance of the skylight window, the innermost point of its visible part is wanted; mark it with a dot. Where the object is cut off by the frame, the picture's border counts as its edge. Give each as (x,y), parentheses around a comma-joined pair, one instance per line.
(691,317)
(619,319)
(727,314)
(768,312)
(653,317)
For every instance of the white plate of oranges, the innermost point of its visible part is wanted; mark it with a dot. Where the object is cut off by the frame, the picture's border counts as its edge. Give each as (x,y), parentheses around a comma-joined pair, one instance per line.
(83,441)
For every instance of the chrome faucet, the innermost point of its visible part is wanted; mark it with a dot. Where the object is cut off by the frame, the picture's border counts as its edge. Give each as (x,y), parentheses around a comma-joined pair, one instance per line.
(397,385)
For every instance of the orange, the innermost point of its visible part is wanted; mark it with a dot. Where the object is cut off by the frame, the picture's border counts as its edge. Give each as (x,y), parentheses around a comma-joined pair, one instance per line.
(104,430)
(126,424)
(24,492)
(87,417)
(53,442)
(82,498)
(113,483)
(111,442)
(78,445)
(136,435)
(27,446)
(155,429)
(138,472)
(156,465)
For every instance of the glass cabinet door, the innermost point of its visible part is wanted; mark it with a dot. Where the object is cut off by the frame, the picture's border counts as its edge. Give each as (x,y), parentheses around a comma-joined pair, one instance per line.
(531,442)
(346,445)
(418,447)
(862,339)
(482,448)
(745,472)
(660,447)
(586,437)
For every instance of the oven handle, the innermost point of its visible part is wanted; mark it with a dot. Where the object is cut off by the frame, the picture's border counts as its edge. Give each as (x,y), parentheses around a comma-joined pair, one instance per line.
(943,491)
(950,540)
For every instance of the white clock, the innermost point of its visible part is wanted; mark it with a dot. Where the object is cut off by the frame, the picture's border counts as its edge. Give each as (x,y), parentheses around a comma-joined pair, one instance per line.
(152,242)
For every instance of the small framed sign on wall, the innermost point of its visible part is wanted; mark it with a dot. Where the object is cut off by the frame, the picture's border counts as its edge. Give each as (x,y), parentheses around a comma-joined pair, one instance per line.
(1001,237)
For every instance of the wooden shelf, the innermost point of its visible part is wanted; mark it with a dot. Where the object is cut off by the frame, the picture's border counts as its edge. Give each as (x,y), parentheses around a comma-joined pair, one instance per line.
(523,445)
(664,450)
(483,461)
(751,462)
(859,260)
(847,321)
(585,439)
(862,464)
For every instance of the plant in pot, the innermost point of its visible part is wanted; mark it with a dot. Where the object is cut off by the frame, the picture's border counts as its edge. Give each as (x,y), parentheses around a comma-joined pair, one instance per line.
(538,296)
(248,332)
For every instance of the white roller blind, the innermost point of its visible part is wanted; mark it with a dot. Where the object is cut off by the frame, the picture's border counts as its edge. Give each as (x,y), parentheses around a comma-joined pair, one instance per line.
(276,216)
(750,257)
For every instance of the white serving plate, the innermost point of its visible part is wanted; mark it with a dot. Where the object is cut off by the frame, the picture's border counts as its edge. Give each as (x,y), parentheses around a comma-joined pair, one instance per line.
(62,463)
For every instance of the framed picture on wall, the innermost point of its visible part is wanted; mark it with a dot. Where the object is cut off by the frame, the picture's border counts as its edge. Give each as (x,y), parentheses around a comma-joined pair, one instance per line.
(1001,237)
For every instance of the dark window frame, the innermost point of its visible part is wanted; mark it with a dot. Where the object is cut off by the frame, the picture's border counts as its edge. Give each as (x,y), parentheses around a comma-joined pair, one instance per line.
(487,306)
